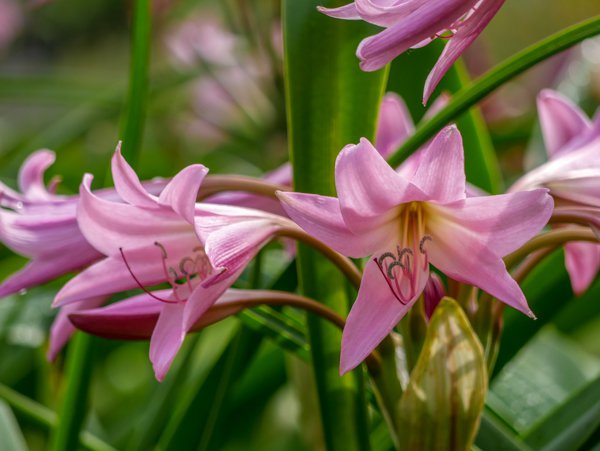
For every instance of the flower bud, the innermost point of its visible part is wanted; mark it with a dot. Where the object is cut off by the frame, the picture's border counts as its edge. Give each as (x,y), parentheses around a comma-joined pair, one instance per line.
(433,293)
(441,406)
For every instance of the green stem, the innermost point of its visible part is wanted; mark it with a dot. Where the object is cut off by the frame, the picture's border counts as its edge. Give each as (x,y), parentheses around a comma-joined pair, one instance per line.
(499,75)
(65,436)
(135,110)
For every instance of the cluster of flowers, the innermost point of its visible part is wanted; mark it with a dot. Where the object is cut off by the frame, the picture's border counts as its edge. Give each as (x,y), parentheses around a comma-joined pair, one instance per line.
(140,235)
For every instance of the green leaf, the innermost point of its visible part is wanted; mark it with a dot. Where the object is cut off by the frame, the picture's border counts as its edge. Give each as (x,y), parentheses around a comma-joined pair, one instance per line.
(493,434)
(330,103)
(570,424)
(11,437)
(467,97)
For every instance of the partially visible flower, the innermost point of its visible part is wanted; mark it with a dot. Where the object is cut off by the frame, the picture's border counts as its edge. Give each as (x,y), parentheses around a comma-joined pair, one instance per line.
(406,222)
(572,175)
(415,23)
(11,21)
(150,240)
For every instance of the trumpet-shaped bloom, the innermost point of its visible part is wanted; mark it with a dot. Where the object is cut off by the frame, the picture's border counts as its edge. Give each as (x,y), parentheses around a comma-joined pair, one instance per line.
(149,240)
(414,23)
(572,175)
(404,222)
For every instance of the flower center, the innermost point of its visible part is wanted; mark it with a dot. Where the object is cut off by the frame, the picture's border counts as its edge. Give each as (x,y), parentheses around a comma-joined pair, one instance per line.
(191,268)
(406,269)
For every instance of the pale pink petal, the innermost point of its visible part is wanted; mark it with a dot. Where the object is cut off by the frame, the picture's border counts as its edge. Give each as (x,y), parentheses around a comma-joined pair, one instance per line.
(561,121)
(373,316)
(394,125)
(181,192)
(321,217)
(31,174)
(431,18)
(127,183)
(232,247)
(109,226)
(62,329)
(441,171)
(502,223)
(583,262)
(167,338)
(203,298)
(368,188)
(462,39)
(42,270)
(581,186)
(347,12)
(459,254)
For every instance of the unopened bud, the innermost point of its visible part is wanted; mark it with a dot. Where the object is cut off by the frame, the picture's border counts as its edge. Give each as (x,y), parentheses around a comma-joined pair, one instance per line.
(442,404)
(433,293)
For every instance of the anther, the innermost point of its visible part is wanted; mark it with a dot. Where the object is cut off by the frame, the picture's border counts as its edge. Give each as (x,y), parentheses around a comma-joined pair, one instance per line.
(422,243)
(390,273)
(162,249)
(382,257)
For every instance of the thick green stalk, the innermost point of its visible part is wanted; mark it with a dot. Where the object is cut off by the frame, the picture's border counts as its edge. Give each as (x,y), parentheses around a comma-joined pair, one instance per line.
(466,98)
(72,409)
(132,126)
(330,103)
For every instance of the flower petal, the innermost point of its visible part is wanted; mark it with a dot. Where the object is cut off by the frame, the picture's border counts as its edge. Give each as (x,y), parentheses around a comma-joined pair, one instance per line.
(368,188)
(321,217)
(109,226)
(462,39)
(181,192)
(31,175)
(347,12)
(395,124)
(583,262)
(62,329)
(441,170)
(127,183)
(431,18)
(561,121)
(462,256)
(373,316)
(502,223)
(167,338)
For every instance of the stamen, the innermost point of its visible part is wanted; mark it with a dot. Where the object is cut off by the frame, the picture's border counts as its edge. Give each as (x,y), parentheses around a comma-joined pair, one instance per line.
(139,284)
(387,280)
(382,257)
(391,267)
(422,243)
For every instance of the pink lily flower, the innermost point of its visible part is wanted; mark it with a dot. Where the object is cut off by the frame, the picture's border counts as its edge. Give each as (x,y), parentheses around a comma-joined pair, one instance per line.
(405,222)
(572,175)
(415,23)
(150,240)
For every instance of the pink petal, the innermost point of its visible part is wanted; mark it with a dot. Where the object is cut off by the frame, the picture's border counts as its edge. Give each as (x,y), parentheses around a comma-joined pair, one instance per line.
(368,188)
(502,223)
(347,12)
(31,174)
(373,316)
(441,171)
(167,338)
(459,254)
(583,262)
(321,217)
(45,269)
(234,246)
(462,39)
(128,184)
(376,51)
(109,226)
(62,329)
(394,125)
(561,121)
(181,193)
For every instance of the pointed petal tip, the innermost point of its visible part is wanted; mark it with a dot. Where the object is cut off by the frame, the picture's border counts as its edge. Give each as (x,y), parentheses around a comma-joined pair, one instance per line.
(532,315)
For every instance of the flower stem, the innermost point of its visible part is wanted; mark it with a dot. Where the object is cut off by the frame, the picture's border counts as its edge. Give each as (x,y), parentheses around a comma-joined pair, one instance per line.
(496,77)
(345,265)
(214,184)
(552,238)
